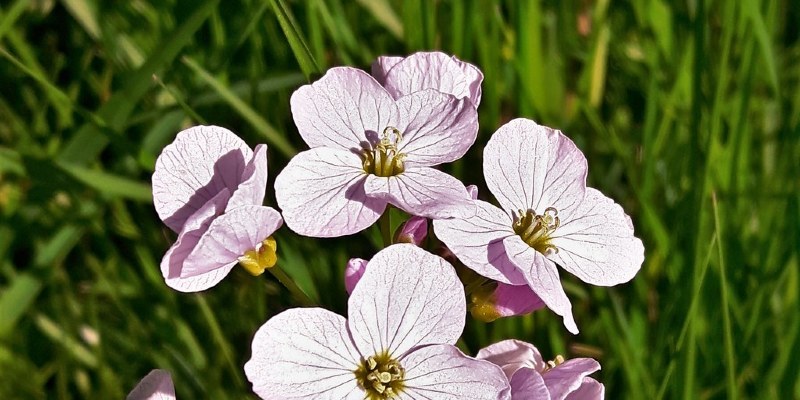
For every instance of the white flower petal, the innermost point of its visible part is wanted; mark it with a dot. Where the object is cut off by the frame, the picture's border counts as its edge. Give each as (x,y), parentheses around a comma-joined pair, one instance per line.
(254,181)
(596,242)
(304,353)
(511,355)
(157,385)
(568,376)
(590,389)
(528,384)
(406,298)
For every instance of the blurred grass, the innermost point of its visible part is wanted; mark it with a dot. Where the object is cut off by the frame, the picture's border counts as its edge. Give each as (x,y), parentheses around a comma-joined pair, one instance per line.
(689,114)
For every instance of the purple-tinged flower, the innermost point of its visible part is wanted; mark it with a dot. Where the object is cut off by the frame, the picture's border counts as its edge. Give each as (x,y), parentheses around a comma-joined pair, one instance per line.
(534,379)
(548,216)
(157,385)
(496,299)
(353,272)
(413,231)
(369,150)
(429,70)
(404,316)
(208,186)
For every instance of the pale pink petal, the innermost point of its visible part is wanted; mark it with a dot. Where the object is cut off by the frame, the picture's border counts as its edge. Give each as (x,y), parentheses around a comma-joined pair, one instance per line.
(511,300)
(590,390)
(437,128)
(193,230)
(424,192)
(382,65)
(406,298)
(304,353)
(477,241)
(530,166)
(511,355)
(345,109)
(472,190)
(157,385)
(413,231)
(542,276)
(568,376)
(191,170)
(353,272)
(528,384)
(254,181)
(443,372)
(435,70)
(229,237)
(321,194)
(596,243)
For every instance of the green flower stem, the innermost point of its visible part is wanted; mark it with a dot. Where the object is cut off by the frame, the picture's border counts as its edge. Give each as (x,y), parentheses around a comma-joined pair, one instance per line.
(385,224)
(287,281)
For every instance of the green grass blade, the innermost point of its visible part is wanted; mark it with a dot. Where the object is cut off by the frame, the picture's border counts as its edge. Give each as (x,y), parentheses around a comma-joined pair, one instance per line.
(15,300)
(299,47)
(726,315)
(109,184)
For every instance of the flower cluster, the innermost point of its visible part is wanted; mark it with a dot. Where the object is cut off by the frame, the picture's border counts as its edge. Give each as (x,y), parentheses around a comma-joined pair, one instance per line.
(375,141)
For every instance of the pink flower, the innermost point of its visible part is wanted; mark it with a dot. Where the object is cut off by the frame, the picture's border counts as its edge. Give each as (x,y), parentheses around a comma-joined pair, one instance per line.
(548,216)
(157,385)
(429,70)
(208,186)
(413,231)
(369,149)
(534,379)
(404,316)
(353,272)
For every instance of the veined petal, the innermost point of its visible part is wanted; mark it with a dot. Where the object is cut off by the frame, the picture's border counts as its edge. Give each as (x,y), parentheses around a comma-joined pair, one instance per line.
(157,385)
(477,241)
(353,272)
(590,389)
(173,262)
(568,376)
(529,384)
(512,355)
(437,127)
(253,182)
(345,109)
(434,70)
(530,166)
(304,353)
(229,237)
(443,372)
(406,298)
(424,192)
(382,65)
(596,243)
(191,170)
(542,276)
(321,194)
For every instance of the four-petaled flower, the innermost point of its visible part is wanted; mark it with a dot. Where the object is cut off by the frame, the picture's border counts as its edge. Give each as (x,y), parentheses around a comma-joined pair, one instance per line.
(209,186)
(370,147)
(548,216)
(403,318)
(532,378)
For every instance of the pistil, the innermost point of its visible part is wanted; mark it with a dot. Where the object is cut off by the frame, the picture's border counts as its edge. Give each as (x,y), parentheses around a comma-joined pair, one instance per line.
(381,377)
(535,229)
(385,160)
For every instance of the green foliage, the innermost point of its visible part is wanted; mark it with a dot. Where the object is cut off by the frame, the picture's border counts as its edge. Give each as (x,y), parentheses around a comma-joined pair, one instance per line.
(689,114)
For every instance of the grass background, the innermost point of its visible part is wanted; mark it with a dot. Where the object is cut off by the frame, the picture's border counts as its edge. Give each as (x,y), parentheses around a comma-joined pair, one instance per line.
(688,111)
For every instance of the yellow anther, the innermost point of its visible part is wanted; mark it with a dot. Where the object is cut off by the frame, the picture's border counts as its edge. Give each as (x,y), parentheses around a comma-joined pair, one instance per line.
(264,256)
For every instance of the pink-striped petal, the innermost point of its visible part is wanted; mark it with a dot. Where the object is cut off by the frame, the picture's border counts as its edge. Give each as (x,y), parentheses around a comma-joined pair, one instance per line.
(590,389)
(229,237)
(528,384)
(444,372)
(542,277)
(530,166)
(197,165)
(173,262)
(304,353)
(596,242)
(345,109)
(406,298)
(512,355)
(424,192)
(321,194)
(253,186)
(477,241)
(157,385)
(434,70)
(568,376)
(353,272)
(437,128)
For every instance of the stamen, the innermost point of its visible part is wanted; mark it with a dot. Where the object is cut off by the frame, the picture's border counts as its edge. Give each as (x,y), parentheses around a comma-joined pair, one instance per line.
(385,160)
(554,363)
(380,376)
(535,229)
(264,256)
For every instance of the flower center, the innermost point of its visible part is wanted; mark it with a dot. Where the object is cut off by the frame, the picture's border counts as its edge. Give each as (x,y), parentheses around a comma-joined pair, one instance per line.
(381,377)
(385,160)
(264,256)
(535,229)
